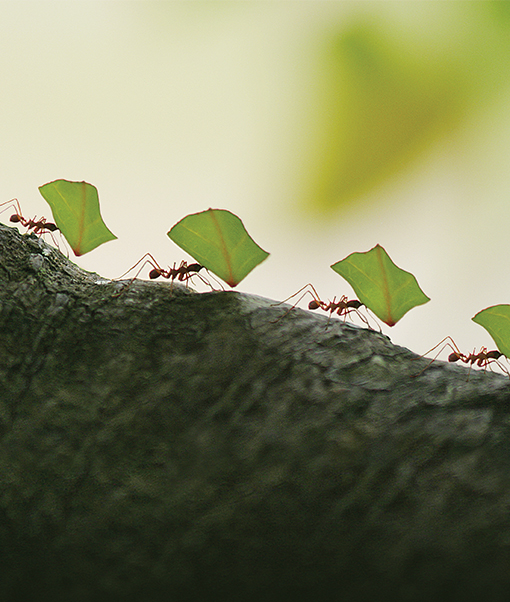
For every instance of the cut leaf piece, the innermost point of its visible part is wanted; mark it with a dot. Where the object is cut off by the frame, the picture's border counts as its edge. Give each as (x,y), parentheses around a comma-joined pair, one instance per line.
(496,321)
(387,290)
(75,208)
(218,240)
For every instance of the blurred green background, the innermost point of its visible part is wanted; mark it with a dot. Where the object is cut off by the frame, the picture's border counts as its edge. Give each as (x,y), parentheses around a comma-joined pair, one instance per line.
(327,127)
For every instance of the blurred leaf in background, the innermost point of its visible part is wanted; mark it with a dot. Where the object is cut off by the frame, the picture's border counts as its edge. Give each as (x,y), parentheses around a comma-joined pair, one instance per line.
(389,94)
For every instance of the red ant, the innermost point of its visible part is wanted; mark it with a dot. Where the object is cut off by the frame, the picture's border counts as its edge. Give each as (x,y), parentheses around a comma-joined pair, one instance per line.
(342,307)
(183,273)
(39,226)
(482,359)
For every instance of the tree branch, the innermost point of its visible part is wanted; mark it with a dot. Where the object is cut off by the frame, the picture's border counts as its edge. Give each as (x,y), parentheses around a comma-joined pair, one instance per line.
(160,444)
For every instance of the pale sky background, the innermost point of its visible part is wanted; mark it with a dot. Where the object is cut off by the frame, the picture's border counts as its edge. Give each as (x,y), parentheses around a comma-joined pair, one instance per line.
(170,108)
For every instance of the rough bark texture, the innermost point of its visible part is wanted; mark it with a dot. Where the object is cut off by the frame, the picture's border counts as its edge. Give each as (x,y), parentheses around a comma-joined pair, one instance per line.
(160,444)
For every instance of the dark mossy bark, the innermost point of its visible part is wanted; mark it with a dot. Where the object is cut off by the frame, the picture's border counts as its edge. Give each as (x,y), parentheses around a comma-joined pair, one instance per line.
(158,444)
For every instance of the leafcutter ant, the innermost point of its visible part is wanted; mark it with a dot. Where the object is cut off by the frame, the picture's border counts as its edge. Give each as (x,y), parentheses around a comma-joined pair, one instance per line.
(483,359)
(38,226)
(184,273)
(342,307)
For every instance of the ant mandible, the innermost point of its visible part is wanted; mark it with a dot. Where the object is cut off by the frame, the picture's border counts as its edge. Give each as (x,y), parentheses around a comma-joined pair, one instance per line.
(39,226)
(482,359)
(342,307)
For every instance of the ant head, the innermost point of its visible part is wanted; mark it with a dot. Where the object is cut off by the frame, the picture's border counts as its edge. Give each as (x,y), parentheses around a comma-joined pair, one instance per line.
(454,357)
(314,304)
(14,218)
(155,273)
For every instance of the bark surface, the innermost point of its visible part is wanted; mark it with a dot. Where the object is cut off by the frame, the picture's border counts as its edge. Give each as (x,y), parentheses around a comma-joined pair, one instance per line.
(163,445)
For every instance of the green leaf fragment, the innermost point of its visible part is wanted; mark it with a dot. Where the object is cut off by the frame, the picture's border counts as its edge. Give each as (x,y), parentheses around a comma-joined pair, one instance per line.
(218,240)
(75,208)
(496,321)
(384,288)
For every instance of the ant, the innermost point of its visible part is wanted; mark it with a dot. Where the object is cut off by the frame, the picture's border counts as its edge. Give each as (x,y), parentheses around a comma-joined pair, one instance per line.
(342,307)
(482,359)
(39,226)
(183,273)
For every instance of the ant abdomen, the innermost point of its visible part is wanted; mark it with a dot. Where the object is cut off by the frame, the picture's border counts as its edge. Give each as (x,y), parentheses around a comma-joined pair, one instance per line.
(195,267)
(354,303)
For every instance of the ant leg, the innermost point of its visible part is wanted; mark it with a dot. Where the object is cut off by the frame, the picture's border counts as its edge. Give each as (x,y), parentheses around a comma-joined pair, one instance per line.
(313,292)
(308,289)
(350,310)
(486,358)
(493,357)
(62,241)
(192,275)
(333,306)
(55,242)
(42,227)
(218,282)
(17,217)
(12,203)
(446,342)
(154,273)
(500,366)
(377,323)
(182,271)
(449,342)
(146,259)
(471,359)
